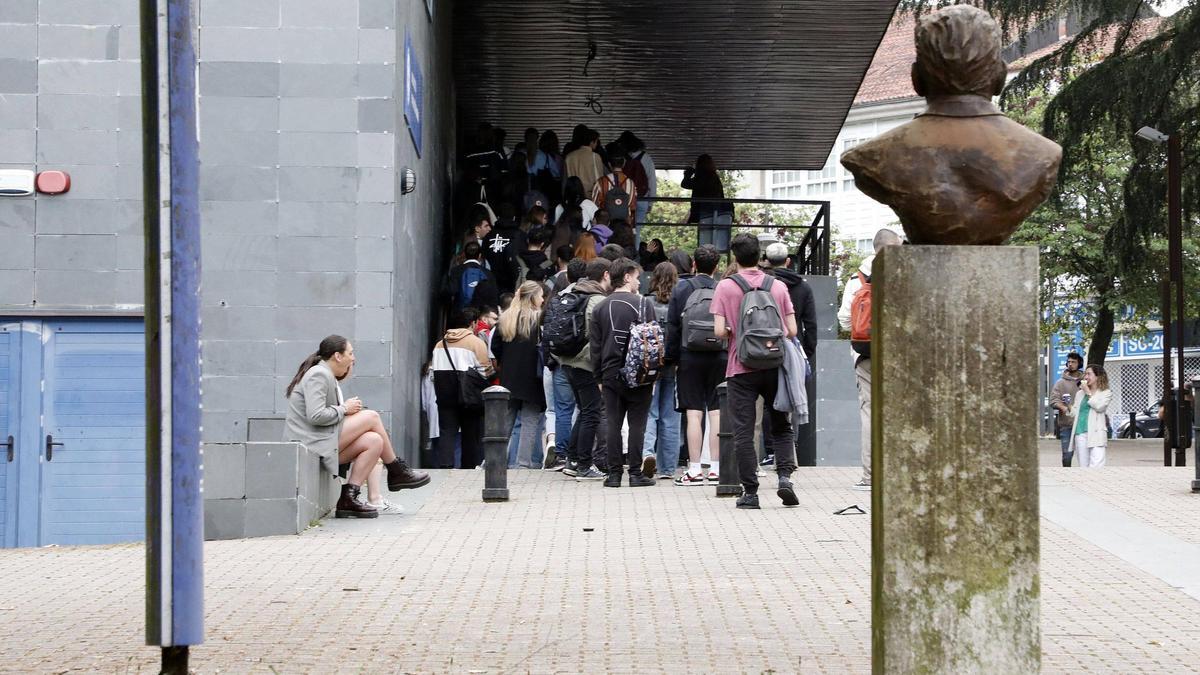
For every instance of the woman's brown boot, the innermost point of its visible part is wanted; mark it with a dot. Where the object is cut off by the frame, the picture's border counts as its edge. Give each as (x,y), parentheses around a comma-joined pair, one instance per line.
(401,477)
(348,505)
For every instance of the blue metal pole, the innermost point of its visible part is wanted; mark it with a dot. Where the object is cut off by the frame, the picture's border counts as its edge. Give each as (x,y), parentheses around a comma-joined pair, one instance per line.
(174,513)
(187,509)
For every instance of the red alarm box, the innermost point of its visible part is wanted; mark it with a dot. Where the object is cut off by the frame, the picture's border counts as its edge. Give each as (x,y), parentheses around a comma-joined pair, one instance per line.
(53,182)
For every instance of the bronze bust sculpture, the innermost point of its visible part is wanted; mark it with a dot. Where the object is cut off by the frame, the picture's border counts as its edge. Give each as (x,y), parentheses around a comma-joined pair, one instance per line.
(961,172)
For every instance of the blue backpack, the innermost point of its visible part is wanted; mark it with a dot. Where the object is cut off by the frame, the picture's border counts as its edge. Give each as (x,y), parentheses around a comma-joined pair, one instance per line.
(472,276)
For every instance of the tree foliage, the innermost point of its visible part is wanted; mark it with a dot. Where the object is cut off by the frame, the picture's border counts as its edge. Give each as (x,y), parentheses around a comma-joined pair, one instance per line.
(786,222)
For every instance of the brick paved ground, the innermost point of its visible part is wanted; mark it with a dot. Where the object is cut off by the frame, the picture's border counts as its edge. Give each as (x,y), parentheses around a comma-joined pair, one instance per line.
(670,580)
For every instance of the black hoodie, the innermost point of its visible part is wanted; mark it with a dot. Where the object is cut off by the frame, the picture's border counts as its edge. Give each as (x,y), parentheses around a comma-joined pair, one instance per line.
(609,331)
(537,265)
(806,308)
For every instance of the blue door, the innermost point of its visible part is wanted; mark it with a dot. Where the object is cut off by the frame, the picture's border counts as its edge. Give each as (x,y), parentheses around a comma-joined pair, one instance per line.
(10,431)
(80,452)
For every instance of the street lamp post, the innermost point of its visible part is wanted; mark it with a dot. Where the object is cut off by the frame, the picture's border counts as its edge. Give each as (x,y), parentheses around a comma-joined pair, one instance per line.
(1175,433)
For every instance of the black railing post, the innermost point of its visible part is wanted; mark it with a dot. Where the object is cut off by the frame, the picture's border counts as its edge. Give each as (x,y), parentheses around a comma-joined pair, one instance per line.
(495,444)
(730,482)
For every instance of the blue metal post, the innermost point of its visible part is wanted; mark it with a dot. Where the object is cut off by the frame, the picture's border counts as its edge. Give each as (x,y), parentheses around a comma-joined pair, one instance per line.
(175,517)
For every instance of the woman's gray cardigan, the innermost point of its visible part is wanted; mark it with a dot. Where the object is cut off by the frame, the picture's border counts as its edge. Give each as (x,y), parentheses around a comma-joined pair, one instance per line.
(315,416)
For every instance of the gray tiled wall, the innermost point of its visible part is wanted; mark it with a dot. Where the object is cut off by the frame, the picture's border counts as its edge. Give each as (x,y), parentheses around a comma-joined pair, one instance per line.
(301,134)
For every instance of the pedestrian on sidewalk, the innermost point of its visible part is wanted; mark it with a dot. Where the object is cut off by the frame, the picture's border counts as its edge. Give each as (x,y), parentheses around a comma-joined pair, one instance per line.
(692,342)
(855,316)
(1062,397)
(661,449)
(577,304)
(610,334)
(458,352)
(1091,430)
(754,312)
(518,354)
(342,431)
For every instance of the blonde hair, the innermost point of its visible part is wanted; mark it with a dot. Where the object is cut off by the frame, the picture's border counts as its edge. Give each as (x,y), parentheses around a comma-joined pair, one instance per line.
(521,320)
(1101,375)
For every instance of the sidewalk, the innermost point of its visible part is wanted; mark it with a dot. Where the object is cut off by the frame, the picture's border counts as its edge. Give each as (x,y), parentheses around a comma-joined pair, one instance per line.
(669,579)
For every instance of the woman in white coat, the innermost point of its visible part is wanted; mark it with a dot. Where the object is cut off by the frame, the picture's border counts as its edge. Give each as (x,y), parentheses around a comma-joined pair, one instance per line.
(1089,410)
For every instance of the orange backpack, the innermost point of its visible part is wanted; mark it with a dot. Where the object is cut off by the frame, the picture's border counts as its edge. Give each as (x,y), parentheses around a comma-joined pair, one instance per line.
(860,317)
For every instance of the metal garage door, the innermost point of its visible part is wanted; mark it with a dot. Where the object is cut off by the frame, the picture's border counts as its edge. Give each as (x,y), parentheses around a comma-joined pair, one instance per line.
(79,459)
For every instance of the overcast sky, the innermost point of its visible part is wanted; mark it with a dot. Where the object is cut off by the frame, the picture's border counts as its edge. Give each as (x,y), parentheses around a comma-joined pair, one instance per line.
(1169,7)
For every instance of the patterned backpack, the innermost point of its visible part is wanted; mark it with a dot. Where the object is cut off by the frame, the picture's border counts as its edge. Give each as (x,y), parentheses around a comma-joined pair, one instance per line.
(645,350)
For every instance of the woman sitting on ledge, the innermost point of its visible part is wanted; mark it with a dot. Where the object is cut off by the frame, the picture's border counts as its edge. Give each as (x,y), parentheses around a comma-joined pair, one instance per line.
(340,431)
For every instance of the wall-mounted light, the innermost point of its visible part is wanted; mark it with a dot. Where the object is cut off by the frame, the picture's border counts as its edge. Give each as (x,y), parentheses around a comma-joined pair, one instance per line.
(16,183)
(408,181)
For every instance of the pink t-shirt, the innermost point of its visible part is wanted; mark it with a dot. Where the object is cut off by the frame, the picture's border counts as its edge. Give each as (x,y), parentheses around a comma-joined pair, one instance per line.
(727,302)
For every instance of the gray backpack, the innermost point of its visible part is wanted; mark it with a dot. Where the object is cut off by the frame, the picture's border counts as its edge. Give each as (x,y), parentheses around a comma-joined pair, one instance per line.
(699,333)
(760,331)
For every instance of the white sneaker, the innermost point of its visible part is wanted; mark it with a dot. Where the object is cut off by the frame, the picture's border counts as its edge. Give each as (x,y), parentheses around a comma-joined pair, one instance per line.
(386,508)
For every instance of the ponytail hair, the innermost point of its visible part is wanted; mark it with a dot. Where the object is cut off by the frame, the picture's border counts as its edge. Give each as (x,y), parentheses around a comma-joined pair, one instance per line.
(334,344)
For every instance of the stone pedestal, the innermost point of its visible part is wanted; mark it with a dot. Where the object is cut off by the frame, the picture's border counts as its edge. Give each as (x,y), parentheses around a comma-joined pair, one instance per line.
(955,585)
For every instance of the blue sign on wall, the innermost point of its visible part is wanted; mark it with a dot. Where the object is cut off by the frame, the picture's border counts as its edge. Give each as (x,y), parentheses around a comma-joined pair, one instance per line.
(1152,344)
(413,92)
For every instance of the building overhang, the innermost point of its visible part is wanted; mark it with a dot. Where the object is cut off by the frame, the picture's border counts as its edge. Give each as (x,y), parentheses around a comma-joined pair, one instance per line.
(757,84)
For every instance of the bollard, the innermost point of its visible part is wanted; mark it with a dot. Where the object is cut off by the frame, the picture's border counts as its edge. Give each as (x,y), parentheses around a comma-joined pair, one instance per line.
(1196,432)
(730,484)
(495,444)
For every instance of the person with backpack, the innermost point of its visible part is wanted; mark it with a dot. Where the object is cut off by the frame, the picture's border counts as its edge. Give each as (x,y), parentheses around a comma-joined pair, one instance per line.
(692,342)
(565,331)
(471,284)
(854,315)
(518,352)
(532,263)
(562,395)
(637,153)
(628,351)
(754,312)
(615,192)
(661,450)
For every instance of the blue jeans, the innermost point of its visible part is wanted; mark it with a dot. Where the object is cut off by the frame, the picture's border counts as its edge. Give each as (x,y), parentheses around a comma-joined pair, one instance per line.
(514,442)
(1068,450)
(662,426)
(564,412)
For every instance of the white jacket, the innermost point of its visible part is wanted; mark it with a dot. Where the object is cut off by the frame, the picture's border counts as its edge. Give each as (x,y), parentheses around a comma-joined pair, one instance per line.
(1097,426)
(852,286)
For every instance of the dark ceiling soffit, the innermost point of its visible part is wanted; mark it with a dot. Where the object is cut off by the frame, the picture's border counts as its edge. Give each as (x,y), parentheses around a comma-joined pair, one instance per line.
(756,84)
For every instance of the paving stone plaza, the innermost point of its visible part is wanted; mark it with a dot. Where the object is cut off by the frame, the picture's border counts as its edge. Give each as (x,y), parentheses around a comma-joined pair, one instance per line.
(569,577)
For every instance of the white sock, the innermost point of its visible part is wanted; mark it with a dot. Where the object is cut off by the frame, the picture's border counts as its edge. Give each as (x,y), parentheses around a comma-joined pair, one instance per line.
(714,466)
(694,468)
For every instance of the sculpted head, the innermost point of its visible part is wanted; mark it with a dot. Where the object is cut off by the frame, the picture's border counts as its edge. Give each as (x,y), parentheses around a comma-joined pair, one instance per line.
(958,52)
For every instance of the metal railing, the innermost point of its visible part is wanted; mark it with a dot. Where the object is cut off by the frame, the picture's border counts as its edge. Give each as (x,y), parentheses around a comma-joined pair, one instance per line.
(810,257)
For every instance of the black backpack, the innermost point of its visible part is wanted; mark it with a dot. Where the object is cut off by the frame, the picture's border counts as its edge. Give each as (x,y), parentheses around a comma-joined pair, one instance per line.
(698,327)
(564,328)
(616,198)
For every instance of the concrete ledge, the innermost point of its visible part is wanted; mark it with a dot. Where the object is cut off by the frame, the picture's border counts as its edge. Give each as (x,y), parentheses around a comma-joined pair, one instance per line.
(261,489)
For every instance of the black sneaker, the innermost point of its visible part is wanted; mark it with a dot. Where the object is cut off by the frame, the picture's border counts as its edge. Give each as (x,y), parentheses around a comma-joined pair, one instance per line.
(571,468)
(614,480)
(748,502)
(769,460)
(554,464)
(590,473)
(786,492)
(640,480)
